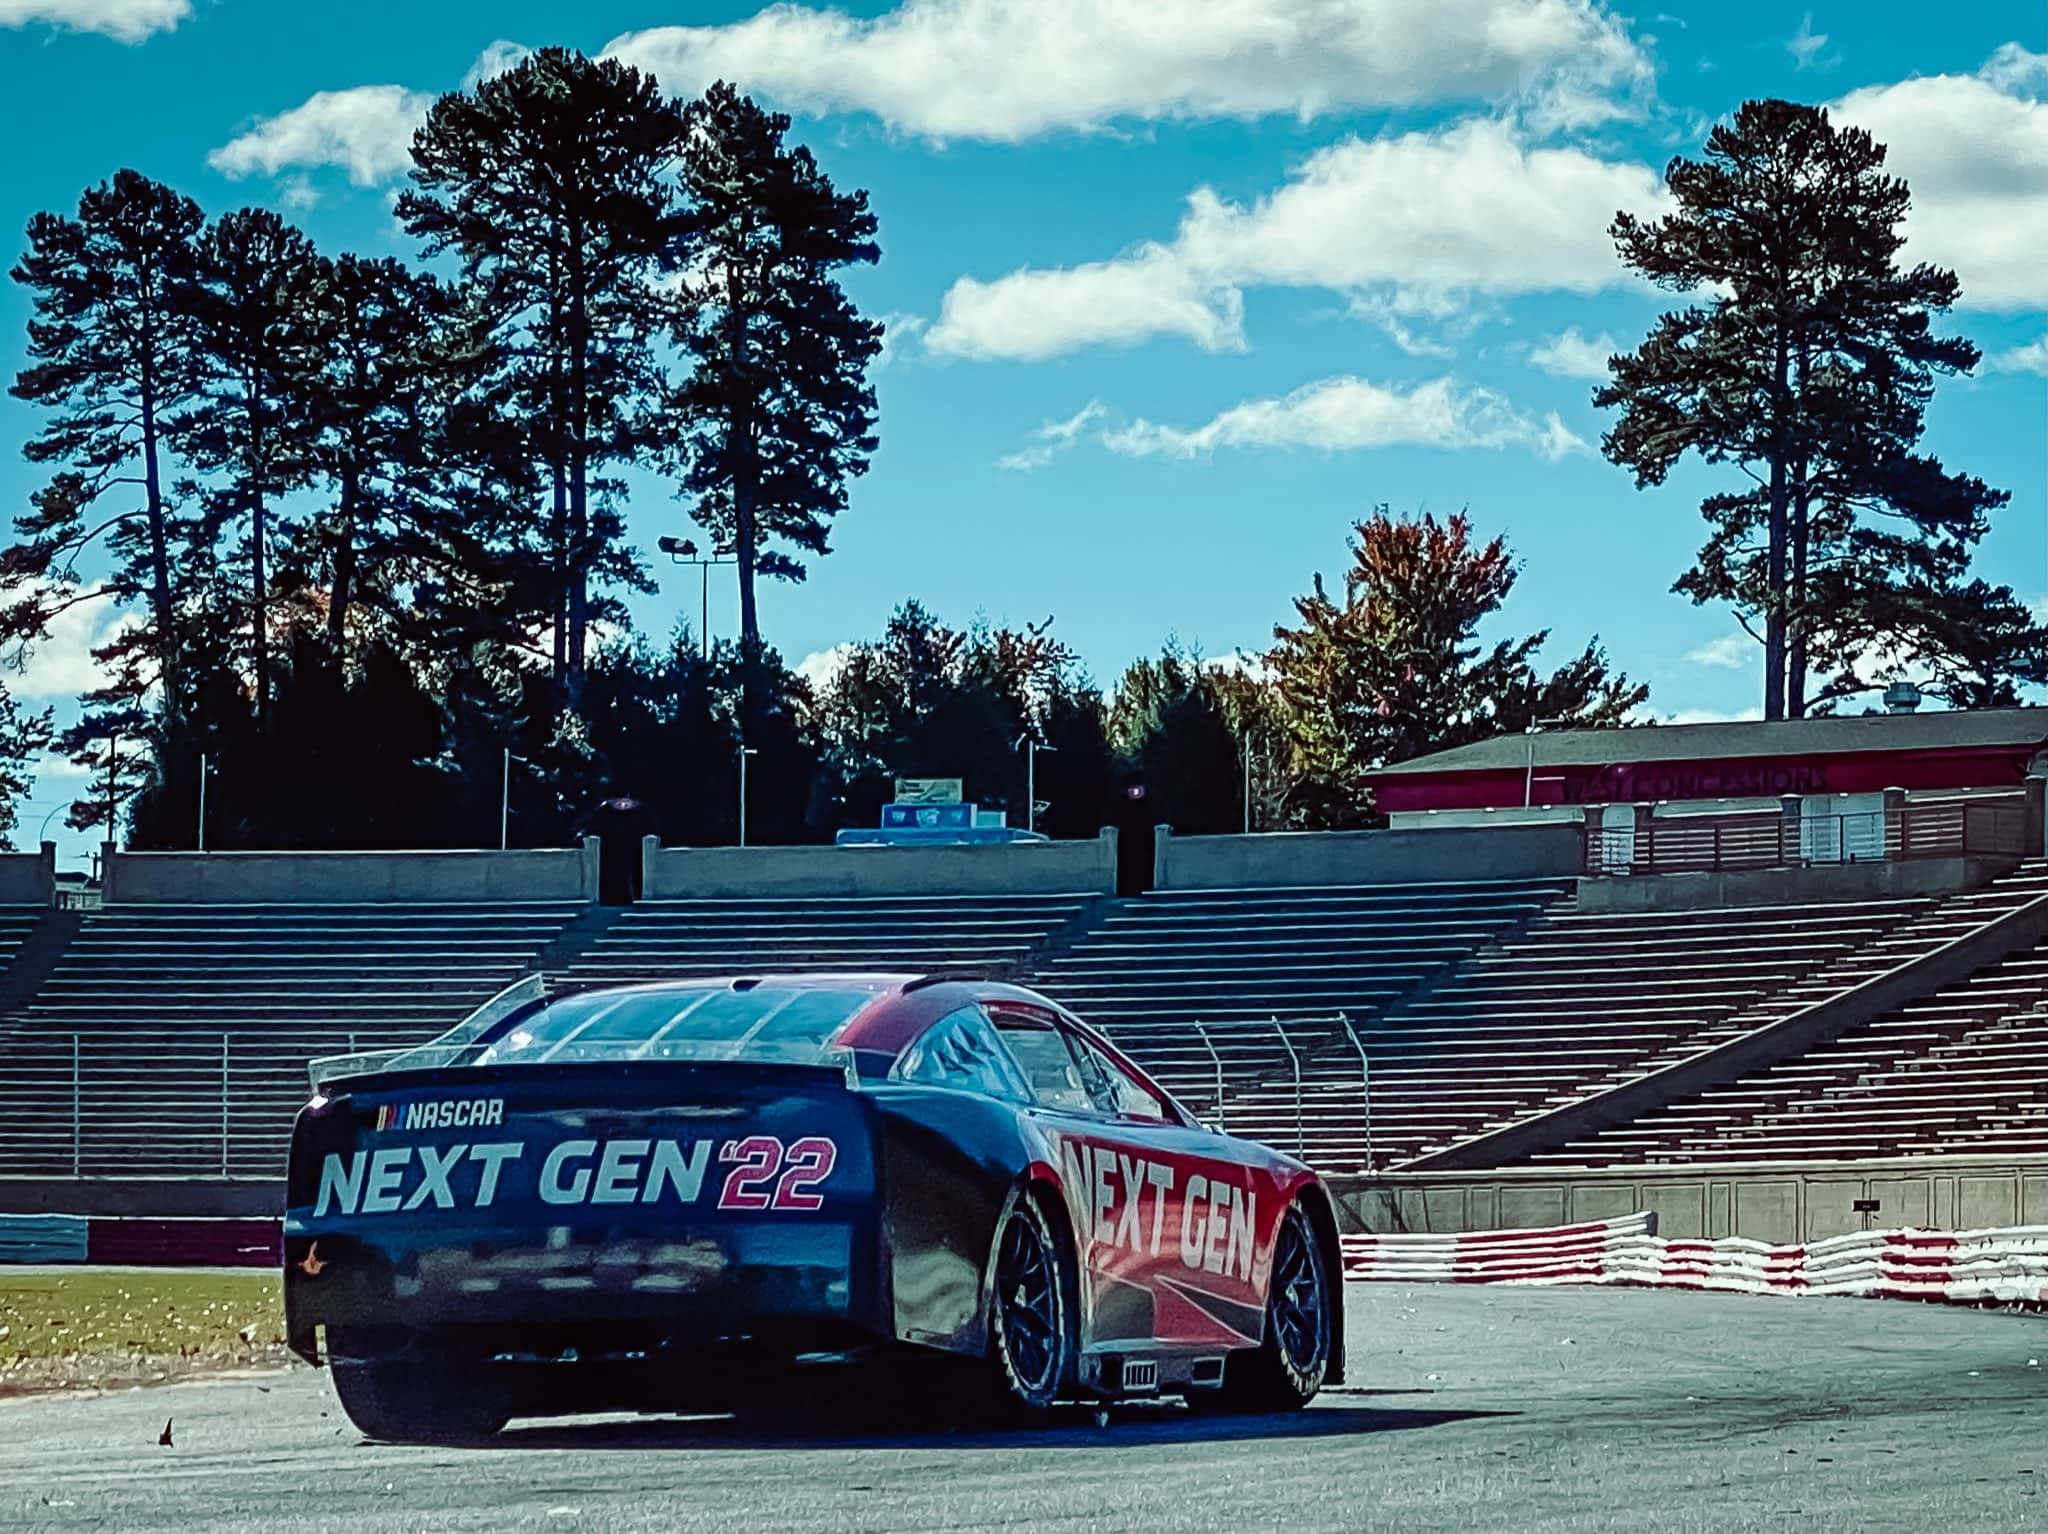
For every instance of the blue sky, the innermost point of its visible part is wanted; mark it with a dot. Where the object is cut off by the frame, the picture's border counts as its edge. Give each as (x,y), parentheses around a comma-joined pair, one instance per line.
(1177,289)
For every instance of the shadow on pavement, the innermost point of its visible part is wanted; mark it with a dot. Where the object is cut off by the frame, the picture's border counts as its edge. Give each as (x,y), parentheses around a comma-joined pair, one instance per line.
(1069,1429)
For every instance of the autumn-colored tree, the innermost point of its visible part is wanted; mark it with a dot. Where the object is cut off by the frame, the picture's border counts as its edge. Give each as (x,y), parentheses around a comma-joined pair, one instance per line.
(1390,669)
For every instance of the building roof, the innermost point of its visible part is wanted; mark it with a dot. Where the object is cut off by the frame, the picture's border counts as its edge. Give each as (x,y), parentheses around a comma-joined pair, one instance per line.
(1939,730)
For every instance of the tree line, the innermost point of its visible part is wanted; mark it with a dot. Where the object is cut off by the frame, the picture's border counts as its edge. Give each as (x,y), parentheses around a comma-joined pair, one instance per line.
(362,519)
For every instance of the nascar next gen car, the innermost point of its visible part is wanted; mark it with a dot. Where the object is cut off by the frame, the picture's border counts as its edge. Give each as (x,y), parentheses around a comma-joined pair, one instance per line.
(628,1198)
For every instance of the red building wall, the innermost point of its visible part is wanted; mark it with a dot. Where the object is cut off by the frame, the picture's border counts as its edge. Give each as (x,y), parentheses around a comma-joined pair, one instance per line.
(1850,772)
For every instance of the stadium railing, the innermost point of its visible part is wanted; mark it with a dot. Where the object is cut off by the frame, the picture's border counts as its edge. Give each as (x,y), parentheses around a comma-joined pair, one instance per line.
(1986,826)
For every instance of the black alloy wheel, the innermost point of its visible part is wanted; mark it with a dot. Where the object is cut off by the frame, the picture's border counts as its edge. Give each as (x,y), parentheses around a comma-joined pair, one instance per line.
(1028,1333)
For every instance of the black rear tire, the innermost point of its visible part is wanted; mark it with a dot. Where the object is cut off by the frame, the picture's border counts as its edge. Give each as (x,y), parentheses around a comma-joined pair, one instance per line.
(1031,1313)
(1289,1365)
(421,1394)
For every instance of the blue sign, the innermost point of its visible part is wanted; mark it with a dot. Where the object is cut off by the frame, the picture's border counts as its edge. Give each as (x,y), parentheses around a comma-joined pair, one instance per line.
(927,817)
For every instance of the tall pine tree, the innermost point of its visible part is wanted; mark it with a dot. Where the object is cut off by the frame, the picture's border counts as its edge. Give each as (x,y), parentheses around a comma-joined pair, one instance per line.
(258,333)
(551,184)
(112,357)
(1808,362)
(773,414)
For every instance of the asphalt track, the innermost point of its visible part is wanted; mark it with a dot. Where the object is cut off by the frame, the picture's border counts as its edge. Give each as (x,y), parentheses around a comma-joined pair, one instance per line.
(1469,1409)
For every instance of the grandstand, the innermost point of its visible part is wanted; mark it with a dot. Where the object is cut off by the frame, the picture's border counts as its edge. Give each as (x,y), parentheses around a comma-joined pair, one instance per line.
(1955,1071)
(1269,974)
(677,939)
(179,1035)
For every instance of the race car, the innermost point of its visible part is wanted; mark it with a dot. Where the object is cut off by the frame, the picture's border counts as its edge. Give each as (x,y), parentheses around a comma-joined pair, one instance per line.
(642,1197)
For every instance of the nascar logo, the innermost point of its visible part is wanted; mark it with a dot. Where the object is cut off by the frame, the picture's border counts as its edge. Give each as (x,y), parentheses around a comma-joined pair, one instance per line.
(448,1113)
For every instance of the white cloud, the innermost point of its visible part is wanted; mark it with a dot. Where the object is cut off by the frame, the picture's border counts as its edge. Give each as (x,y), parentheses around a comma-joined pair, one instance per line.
(1009,70)
(127,21)
(2030,358)
(1573,355)
(820,667)
(1731,652)
(500,56)
(1053,438)
(1346,414)
(1805,45)
(62,666)
(1032,315)
(1974,151)
(366,130)
(1416,223)
(1699,716)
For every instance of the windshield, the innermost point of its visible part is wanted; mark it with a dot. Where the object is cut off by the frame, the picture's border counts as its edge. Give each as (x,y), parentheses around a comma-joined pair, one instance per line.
(785,1023)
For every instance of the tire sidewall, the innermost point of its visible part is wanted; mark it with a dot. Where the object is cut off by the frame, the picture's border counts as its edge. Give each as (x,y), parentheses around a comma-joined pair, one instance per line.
(1297,1385)
(1014,1392)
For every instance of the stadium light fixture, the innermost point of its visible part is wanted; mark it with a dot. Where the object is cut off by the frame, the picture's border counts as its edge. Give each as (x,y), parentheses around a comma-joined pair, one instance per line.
(683,551)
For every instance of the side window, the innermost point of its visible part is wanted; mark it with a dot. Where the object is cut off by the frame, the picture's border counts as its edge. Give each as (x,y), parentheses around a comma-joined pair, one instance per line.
(1115,1089)
(1056,1080)
(962,1050)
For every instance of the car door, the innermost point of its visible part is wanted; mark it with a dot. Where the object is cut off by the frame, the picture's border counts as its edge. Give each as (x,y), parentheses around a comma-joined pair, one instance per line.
(1165,1227)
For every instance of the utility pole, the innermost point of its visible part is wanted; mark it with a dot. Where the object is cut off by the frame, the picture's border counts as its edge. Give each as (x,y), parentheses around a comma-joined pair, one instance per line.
(683,551)
(1536,727)
(1247,783)
(203,770)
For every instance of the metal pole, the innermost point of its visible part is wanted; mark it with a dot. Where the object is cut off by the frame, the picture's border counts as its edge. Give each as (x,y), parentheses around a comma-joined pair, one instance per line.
(505,803)
(1364,1081)
(1293,1060)
(77,1117)
(1247,785)
(704,608)
(1529,773)
(202,801)
(1031,785)
(745,752)
(1216,1060)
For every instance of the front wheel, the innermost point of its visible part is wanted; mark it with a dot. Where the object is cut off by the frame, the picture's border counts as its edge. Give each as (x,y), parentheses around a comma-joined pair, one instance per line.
(1290,1363)
(419,1396)
(1029,1331)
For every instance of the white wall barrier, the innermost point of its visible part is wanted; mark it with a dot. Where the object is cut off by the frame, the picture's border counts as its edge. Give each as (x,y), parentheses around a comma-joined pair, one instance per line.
(2007,1265)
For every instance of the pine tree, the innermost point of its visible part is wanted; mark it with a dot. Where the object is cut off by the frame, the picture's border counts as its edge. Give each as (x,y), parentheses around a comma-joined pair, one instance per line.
(774,414)
(23,737)
(1808,364)
(402,551)
(257,332)
(112,356)
(1392,669)
(549,182)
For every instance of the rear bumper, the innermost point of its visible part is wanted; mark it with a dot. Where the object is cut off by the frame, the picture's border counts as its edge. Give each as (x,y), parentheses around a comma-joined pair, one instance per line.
(685,1286)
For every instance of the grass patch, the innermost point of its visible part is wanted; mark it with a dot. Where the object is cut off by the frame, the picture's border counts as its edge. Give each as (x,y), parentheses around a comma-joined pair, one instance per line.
(94,1328)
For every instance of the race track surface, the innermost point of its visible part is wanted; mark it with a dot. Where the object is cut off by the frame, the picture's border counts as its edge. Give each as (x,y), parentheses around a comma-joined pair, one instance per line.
(1469,1409)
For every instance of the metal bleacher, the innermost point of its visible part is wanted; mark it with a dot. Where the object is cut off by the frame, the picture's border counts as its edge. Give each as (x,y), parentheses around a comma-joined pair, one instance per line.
(1955,1071)
(174,1039)
(677,939)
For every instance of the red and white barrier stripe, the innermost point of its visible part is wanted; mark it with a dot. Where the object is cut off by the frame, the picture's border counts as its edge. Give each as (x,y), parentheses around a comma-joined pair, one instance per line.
(2001,1266)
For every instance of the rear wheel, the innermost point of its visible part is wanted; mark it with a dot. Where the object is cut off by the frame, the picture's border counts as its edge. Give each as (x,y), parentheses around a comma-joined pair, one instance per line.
(420,1395)
(1291,1361)
(1029,1330)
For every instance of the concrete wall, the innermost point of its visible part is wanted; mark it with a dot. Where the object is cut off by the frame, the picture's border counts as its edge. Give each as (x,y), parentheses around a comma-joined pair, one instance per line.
(1287,858)
(29,878)
(1006,868)
(1452,820)
(218,1197)
(1782,1203)
(1787,886)
(335,878)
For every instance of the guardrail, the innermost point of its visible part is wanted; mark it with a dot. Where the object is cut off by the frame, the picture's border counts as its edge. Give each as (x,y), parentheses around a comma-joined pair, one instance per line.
(1991,826)
(2007,1265)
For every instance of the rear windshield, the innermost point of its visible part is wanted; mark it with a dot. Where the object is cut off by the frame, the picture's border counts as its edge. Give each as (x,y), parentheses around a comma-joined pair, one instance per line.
(713,1023)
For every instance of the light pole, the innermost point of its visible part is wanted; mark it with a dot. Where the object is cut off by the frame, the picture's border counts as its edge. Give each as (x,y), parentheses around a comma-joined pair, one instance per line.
(205,772)
(1247,783)
(745,752)
(505,800)
(683,551)
(1028,744)
(1536,727)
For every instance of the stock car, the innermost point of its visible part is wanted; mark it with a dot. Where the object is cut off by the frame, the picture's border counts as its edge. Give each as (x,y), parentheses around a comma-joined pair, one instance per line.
(640,1197)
